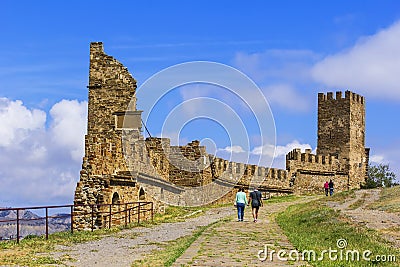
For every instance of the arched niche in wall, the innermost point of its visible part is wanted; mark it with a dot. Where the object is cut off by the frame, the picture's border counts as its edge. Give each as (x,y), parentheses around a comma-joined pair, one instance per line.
(142,194)
(115,198)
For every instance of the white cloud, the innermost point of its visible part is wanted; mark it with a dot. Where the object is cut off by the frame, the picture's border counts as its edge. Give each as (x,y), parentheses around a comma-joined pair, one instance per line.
(387,155)
(277,155)
(279,150)
(283,64)
(267,150)
(17,121)
(40,165)
(69,125)
(267,155)
(370,66)
(283,150)
(286,96)
(283,75)
(379,159)
(232,149)
(37,154)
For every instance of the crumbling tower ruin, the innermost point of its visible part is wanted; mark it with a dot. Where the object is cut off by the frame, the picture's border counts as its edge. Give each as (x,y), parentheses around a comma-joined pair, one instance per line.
(111,101)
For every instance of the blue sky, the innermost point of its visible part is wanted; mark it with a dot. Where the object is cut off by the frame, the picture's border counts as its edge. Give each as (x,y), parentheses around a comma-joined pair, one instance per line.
(291,49)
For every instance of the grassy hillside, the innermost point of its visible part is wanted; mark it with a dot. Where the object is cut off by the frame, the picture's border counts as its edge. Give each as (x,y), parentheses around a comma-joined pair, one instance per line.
(389,200)
(318,228)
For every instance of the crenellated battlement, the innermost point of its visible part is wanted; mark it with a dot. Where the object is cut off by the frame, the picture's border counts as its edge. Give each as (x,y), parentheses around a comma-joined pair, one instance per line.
(348,96)
(244,173)
(307,157)
(277,174)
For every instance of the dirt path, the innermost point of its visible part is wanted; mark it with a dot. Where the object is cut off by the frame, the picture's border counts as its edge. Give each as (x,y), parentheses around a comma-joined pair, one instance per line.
(235,243)
(227,243)
(132,244)
(356,209)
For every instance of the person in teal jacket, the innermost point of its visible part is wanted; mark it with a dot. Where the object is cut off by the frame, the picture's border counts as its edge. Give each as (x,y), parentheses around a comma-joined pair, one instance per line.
(240,202)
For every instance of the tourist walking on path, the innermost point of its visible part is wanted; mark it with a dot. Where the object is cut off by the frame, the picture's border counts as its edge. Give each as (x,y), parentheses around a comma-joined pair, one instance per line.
(330,187)
(240,203)
(256,203)
(326,187)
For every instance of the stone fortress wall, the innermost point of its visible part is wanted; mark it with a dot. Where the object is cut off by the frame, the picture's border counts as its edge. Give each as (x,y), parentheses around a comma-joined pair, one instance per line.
(341,153)
(121,166)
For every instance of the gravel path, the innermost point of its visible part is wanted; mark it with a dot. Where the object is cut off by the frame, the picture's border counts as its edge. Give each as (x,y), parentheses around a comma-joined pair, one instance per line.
(132,244)
(235,243)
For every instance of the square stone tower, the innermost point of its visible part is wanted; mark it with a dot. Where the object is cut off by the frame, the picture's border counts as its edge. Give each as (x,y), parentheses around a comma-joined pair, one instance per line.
(341,133)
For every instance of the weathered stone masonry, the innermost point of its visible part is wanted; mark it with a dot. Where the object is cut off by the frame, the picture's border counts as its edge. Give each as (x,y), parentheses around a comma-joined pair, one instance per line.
(105,177)
(120,166)
(341,153)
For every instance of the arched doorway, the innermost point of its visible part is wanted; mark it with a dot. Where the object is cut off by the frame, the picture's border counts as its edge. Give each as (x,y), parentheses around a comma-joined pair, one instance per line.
(142,194)
(115,198)
(115,210)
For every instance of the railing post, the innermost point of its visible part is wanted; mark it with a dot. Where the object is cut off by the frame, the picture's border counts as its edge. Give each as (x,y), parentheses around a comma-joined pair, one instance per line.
(72,219)
(17,225)
(109,219)
(138,216)
(92,206)
(152,212)
(47,223)
(129,212)
(126,219)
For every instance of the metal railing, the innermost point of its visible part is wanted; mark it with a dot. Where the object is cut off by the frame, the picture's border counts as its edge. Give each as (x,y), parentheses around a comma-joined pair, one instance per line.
(111,214)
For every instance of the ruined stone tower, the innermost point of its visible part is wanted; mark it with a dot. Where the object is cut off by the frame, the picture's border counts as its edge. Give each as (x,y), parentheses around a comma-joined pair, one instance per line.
(112,102)
(341,132)
(104,169)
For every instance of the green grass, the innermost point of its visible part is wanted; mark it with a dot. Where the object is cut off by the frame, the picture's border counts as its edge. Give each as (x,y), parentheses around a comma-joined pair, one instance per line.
(314,226)
(359,202)
(389,200)
(27,252)
(172,250)
(342,196)
(177,213)
(281,199)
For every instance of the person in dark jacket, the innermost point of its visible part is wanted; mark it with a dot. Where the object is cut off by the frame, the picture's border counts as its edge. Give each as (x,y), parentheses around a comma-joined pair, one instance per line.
(330,187)
(256,203)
